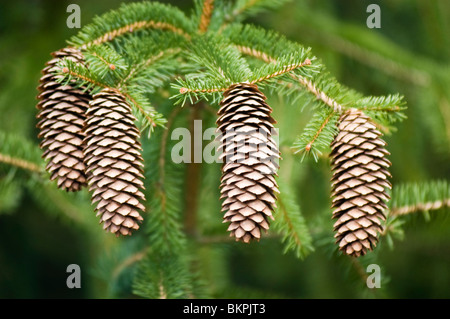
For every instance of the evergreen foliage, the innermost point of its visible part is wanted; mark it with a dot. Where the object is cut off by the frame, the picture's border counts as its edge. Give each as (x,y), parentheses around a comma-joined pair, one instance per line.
(172,68)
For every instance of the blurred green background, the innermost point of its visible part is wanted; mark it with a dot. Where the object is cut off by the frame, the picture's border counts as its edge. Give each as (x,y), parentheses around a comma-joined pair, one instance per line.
(409,54)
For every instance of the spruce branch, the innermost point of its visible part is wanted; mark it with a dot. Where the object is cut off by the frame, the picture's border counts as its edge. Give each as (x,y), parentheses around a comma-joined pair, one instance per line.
(81,74)
(106,63)
(164,181)
(258,43)
(318,134)
(412,198)
(320,95)
(195,90)
(384,110)
(148,116)
(221,65)
(145,64)
(424,207)
(409,198)
(205,19)
(130,18)
(222,73)
(284,69)
(19,152)
(163,276)
(245,8)
(111,35)
(20,163)
(255,53)
(290,223)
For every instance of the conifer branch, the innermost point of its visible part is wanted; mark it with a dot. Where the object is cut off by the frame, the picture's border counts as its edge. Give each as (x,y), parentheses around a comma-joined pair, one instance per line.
(21,163)
(205,19)
(145,114)
(132,27)
(409,198)
(318,134)
(255,53)
(320,95)
(185,90)
(325,122)
(148,62)
(307,84)
(286,69)
(251,7)
(119,90)
(83,78)
(248,4)
(131,18)
(108,63)
(427,206)
(17,151)
(290,223)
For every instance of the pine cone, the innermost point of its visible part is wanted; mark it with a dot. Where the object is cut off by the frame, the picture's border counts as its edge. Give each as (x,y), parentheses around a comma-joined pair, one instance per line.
(360,178)
(61,113)
(114,164)
(250,156)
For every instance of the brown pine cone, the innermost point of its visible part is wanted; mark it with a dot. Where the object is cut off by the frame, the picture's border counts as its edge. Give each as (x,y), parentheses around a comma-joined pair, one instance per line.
(62,113)
(251,157)
(114,164)
(359,182)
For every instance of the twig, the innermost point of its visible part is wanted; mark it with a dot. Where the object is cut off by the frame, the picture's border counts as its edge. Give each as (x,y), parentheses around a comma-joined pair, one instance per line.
(404,210)
(213,90)
(325,122)
(18,162)
(205,19)
(109,36)
(282,209)
(311,87)
(308,84)
(286,69)
(148,62)
(255,53)
(118,90)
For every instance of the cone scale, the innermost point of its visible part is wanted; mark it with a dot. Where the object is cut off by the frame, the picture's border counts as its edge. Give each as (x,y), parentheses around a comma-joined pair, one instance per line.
(250,161)
(114,165)
(61,115)
(359,183)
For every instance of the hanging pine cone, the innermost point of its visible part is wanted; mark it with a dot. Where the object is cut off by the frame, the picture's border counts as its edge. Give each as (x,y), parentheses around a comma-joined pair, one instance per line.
(250,157)
(360,178)
(114,164)
(61,117)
